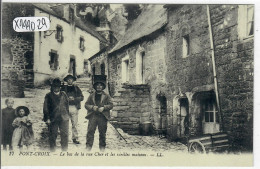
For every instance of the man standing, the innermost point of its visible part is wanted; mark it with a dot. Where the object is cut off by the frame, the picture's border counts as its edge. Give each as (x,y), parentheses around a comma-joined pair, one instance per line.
(56,115)
(75,97)
(98,105)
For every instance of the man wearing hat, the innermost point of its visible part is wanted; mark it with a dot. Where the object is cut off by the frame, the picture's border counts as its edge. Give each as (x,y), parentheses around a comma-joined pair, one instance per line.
(98,105)
(75,97)
(56,115)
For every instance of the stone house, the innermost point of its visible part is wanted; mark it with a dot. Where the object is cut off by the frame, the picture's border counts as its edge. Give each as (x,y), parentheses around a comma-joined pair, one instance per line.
(64,48)
(185,74)
(194,53)
(136,71)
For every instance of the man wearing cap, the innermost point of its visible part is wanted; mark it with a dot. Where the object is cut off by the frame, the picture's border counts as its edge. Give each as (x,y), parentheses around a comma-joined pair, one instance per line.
(98,105)
(75,97)
(56,115)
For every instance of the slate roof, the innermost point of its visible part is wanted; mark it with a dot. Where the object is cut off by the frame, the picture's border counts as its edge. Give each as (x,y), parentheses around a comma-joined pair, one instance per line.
(78,22)
(152,18)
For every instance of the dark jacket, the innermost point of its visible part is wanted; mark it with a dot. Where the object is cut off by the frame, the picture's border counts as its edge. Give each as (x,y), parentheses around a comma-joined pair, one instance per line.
(105,102)
(56,107)
(8,116)
(78,95)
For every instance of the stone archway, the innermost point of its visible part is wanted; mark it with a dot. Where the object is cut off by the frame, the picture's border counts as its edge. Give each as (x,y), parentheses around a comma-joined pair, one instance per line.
(160,116)
(181,115)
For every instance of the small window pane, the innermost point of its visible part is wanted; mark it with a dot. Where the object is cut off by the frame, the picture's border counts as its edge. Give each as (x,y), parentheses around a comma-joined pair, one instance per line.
(206,116)
(211,117)
(250,20)
(185,47)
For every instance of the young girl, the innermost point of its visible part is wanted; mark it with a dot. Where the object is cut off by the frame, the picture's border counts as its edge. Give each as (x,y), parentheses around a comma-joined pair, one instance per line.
(23,133)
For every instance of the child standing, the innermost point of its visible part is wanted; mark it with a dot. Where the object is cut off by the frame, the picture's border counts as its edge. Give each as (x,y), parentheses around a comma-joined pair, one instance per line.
(23,133)
(8,116)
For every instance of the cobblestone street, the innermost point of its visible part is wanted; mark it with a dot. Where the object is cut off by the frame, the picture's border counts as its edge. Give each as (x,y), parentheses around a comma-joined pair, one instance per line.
(34,100)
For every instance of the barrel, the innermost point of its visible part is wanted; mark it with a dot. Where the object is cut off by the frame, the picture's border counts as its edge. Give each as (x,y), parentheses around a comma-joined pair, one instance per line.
(146,128)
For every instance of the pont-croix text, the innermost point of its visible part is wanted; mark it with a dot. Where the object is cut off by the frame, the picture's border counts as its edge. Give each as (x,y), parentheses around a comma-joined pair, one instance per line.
(89,154)
(31,24)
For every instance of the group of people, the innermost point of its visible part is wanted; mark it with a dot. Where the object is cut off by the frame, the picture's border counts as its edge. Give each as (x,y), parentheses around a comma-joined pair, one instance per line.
(61,105)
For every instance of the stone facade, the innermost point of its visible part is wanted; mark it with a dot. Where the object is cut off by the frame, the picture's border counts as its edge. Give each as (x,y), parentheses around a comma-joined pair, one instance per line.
(136,100)
(235,70)
(177,91)
(193,75)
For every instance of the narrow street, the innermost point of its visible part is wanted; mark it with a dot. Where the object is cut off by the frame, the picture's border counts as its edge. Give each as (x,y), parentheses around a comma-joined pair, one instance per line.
(34,99)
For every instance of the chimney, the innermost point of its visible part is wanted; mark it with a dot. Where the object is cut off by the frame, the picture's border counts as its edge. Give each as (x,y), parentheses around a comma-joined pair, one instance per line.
(59,9)
(66,11)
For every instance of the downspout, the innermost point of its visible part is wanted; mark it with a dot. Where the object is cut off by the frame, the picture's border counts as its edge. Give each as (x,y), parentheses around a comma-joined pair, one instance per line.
(214,70)
(108,75)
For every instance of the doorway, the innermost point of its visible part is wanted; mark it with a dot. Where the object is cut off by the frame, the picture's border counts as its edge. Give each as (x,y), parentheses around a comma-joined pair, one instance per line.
(72,68)
(183,118)
(162,116)
(103,69)
(29,69)
(209,113)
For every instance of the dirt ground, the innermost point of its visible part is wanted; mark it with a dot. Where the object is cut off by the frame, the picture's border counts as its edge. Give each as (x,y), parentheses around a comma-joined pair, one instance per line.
(34,99)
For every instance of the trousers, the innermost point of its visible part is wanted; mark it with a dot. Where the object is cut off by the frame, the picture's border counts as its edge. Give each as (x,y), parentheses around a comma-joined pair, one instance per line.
(73,112)
(63,126)
(97,121)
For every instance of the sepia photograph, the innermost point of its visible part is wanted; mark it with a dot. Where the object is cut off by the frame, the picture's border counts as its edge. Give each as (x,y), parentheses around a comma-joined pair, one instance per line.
(129,84)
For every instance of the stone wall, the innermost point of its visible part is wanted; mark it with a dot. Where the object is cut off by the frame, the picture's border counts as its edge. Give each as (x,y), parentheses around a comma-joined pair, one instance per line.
(131,107)
(14,74)
(193,74)
(235,71)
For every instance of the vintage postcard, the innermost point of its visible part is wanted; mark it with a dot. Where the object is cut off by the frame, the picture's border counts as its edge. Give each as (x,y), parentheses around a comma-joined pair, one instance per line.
(104,84)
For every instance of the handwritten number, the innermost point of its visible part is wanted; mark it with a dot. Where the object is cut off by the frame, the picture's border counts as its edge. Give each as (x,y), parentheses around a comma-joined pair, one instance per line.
(39,23)
(44,22)
(30,24)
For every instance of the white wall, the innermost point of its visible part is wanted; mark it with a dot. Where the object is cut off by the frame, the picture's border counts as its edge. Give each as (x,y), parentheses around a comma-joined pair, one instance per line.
(69,46)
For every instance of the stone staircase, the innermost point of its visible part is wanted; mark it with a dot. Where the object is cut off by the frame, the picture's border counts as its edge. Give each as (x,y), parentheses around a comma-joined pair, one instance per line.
(84,83)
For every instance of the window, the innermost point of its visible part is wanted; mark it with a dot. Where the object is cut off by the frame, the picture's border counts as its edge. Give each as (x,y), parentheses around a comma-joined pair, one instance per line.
(71,14)
(140,67)
(246,21)
(185,46)
(250,20)
(59,34)
(210,110)
(125,69)
(53,60)
(81,43)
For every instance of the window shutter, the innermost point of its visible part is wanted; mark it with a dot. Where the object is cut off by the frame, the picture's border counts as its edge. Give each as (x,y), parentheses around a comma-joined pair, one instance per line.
(56,65)
(56,35)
